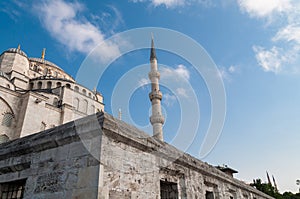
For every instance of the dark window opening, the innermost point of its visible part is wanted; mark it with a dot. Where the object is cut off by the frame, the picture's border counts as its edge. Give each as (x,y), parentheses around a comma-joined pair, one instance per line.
(168,190)
(39,85)
(12,190)
(209,195)
(31,86)
(49,85)
(58,84)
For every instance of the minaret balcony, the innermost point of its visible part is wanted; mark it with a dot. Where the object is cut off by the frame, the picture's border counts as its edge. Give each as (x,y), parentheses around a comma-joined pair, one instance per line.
(154,74)
(154,119)
(155,95)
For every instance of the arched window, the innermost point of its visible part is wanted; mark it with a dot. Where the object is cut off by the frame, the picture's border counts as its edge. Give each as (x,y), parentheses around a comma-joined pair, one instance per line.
(84,91)
(7,119)
(55,101)
(76,104)
(35,67)
(45,72)
(39,85)
(68,85)
(76,88)
(3,138)
(90,95)
(49,84)
(31,86)
(85,106)
(58,84)
(92,109)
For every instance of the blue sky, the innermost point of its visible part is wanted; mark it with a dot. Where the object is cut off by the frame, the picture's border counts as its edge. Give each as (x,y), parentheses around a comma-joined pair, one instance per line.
(254,44)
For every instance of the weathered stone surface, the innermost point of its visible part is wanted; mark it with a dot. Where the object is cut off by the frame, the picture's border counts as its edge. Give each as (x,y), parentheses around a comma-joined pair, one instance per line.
(117,161)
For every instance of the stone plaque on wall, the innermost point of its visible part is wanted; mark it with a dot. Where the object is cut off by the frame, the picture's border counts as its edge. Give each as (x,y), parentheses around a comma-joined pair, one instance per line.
(51,182)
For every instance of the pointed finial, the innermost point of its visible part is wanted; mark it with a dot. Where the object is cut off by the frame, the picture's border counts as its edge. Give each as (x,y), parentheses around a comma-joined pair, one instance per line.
(120,114)
(153,53)
(268,177)
(43,53)
(275,185)
(19,47)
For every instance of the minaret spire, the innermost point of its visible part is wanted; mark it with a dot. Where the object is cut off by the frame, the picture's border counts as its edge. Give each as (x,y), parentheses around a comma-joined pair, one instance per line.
(153,53)
(157,120)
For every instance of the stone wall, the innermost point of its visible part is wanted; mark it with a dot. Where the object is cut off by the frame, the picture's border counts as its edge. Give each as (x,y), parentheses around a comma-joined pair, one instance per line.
(101,157)
(55,163)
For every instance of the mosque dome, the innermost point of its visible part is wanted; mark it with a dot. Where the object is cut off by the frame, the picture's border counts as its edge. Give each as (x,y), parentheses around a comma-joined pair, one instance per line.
(43,61)
(15,50)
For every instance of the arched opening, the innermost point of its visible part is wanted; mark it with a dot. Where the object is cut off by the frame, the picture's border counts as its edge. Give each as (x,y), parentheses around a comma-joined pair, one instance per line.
(45,72)
(55,101)
(3,138)
(84,91)
(92,109)
(35,68)
(90,95)
(76,104)
(68,85)
(31,86)
(49,85)
(39,85)
(76,88)
(85,106)
(7,119)
(58,84)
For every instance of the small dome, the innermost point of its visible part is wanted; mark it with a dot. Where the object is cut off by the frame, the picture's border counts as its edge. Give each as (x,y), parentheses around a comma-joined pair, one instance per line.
(3,74)
(16,50)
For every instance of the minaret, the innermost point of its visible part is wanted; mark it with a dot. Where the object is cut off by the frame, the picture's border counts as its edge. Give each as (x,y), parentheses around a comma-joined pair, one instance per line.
(157,120)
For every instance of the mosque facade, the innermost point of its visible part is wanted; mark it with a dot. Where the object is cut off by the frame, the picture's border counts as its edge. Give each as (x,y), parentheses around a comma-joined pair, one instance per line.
(36,94)
(81,152)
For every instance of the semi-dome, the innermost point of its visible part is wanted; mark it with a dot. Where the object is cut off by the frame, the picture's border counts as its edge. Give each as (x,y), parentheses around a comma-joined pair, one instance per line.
(16,50)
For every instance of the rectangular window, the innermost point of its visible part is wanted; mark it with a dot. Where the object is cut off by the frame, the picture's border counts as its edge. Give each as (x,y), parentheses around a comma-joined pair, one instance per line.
(168,190)
(209,195)
(12,190)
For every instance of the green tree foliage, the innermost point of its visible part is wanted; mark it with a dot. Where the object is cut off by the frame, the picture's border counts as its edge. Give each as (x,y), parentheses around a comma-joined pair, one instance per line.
(267,188)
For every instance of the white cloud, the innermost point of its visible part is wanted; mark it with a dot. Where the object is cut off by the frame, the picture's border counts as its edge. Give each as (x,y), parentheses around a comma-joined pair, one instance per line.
(167,3)
(269,60)
(169,99)
(176,3)
(142,82)
(284,55)
(182,92)
(179,72)
(232,69)
(289,33)
(62,21)
(226,72)
(263,8)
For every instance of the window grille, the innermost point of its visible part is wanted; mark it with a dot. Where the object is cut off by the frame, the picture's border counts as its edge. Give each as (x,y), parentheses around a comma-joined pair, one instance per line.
(7,119)
(168,190)
(12,190)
